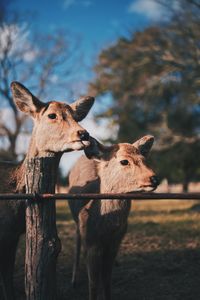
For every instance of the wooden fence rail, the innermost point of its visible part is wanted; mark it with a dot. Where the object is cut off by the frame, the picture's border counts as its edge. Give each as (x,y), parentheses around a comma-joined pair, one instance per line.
(131,196)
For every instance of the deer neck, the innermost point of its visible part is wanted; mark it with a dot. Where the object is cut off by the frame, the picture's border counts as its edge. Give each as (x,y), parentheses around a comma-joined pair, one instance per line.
(117,206)
(33,152)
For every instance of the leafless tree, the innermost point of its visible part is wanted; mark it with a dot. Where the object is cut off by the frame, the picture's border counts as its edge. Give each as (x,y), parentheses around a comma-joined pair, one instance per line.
(45,63)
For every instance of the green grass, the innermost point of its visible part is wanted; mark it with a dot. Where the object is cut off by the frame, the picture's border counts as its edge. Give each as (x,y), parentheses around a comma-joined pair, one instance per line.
(159,258)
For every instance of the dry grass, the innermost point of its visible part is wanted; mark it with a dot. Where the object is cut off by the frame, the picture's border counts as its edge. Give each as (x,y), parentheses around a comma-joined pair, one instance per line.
(159,258)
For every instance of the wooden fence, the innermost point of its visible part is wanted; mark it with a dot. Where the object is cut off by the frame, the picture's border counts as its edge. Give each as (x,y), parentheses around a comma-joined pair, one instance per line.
(37,208)
(42,242)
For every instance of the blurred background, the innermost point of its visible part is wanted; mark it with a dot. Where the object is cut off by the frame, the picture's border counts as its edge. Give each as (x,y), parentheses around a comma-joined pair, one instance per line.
(139,58)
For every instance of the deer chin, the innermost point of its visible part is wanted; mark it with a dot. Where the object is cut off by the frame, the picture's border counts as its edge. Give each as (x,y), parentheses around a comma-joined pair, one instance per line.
(76,145)
(85,143)
(148,188)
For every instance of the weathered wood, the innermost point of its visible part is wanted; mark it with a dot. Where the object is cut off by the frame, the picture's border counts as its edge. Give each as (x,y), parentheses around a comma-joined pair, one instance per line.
(42,242)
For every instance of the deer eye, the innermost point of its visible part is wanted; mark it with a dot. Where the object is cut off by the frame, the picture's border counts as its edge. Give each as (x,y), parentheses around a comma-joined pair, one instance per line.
(52,116)
(124,162)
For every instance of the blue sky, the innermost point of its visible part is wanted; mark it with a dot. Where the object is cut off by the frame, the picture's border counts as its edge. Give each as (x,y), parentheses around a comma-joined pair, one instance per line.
(95,20)
(98,23)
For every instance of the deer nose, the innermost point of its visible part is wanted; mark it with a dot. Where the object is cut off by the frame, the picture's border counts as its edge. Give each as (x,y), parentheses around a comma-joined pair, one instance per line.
(154,180)
(84,135)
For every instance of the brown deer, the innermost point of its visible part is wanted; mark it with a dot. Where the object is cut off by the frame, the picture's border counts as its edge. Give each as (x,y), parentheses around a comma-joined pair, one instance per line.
(101,224)
(55,131)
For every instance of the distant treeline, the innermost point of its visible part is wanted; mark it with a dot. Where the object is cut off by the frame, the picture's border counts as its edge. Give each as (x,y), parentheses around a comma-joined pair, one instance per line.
(153,80)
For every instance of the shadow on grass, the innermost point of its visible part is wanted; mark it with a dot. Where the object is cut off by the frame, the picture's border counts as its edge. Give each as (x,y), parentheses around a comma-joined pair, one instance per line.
(155,275)
(159,275)
(64,216)
(62,211)
(195,208)
(148,269)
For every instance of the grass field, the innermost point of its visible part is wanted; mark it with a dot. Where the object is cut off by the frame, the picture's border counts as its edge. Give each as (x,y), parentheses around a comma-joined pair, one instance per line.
(159,258)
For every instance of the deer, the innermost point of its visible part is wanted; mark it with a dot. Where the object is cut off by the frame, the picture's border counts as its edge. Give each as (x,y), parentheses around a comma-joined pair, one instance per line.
(56,130)
(102,224)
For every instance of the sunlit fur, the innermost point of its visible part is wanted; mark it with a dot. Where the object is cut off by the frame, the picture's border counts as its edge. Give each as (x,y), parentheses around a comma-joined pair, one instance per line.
(101,224)
(50,137)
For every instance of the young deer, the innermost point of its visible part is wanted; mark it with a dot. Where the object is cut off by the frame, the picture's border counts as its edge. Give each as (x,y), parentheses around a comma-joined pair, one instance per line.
(55,131)
(101,224)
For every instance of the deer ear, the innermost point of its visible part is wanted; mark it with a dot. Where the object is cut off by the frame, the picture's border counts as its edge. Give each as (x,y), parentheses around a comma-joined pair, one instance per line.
(144,144)
(81,107)
(96,150)
(24,100)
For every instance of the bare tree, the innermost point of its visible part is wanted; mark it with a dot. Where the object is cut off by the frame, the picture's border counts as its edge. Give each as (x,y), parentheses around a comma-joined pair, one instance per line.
(42,62)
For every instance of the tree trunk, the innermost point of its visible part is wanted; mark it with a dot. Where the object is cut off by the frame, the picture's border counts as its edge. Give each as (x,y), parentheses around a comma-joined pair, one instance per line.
(185,187)
(186,184)
(42,242)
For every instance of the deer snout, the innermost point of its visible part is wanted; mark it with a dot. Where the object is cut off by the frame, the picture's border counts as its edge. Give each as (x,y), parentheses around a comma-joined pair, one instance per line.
(84,135)
(154,181)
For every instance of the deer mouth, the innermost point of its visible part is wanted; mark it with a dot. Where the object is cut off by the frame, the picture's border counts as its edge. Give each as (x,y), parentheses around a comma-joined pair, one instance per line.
(75,145)
(82,144)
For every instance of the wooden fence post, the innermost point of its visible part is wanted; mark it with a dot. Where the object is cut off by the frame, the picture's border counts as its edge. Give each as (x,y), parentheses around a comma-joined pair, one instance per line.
(42,242)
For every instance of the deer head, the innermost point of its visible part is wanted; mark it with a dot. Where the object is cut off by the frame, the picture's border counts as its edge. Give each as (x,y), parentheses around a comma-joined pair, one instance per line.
(55,123)
(122,167)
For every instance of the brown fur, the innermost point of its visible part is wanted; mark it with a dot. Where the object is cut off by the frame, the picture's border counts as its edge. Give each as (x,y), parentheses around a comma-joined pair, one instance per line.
(50,137)
(101,224)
